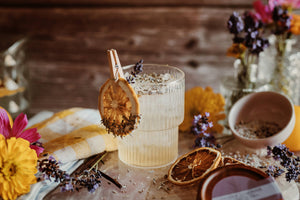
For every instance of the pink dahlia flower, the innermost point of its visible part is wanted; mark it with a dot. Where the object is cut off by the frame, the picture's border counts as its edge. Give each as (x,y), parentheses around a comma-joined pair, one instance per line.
(263,12)
(17,130)
(288,3)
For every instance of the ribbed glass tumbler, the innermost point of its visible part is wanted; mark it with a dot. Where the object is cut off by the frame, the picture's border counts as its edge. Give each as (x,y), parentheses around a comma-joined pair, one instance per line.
(154,143)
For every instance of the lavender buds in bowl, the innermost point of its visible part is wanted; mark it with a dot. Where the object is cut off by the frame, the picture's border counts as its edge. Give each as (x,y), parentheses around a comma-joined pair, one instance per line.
(262,119)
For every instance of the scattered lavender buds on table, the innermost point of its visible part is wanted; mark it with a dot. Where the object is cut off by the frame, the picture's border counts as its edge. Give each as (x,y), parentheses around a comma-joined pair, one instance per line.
(287,160)
(274,171)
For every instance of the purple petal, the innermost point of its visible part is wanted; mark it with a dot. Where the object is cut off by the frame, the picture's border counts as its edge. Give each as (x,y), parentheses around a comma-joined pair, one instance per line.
(19,124)
(203,127)
(51,158)
(69,186)
(30,134)
(5,124)
(263,12)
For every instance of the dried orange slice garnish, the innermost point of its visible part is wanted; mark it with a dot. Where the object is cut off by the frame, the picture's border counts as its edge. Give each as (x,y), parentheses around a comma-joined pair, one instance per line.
(118,103)
(191,167)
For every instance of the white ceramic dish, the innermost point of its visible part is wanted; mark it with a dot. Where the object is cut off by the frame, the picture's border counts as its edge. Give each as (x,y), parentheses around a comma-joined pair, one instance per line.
(265,106)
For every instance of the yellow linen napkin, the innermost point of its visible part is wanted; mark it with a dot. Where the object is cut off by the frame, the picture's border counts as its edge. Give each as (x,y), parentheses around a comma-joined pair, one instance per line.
(74,134)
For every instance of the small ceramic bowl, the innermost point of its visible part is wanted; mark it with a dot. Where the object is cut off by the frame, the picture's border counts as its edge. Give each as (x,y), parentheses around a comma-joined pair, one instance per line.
(267,107)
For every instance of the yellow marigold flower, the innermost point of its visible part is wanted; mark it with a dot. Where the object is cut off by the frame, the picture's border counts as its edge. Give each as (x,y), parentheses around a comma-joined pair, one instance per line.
(18,164)
(236,50)
(295,24)
(198,101)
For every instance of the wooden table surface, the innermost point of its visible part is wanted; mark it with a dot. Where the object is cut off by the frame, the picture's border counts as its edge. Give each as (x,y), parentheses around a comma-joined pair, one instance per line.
(149,183)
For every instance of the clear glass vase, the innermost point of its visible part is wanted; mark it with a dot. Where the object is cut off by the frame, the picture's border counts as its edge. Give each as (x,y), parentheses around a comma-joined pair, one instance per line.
(283,62)
(14,86)
(293,72)
(232,91)
(245,80)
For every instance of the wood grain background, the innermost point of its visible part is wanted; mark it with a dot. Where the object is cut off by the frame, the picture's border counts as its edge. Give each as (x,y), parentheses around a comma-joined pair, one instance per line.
(68,39)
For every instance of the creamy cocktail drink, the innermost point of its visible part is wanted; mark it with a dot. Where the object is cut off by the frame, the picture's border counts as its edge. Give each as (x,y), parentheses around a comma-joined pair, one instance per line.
(160,90)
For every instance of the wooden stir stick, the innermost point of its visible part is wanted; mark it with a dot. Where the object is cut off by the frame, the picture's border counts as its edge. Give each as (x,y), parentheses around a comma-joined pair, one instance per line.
(116,70)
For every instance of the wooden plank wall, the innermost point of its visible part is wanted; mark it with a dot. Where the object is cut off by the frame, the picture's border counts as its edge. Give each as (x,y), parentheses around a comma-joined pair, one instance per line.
(68,39)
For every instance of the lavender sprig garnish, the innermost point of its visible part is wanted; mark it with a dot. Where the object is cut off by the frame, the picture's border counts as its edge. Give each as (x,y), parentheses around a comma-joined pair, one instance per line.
(288,161)
(199,129)
(138,68)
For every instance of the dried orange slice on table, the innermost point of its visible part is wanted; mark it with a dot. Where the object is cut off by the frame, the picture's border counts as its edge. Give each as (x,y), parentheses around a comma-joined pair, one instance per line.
(118,103)
(191,167)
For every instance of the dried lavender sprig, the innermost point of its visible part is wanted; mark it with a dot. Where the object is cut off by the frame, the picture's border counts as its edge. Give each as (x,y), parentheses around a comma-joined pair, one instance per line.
(287,160)
(246,30)
(292,173)
(138,68)
(281,152)
(89,179)
(199,129)
(114,181)
(201,124)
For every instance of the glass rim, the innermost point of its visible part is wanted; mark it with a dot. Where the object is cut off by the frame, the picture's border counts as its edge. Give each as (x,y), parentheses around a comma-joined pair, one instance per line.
(181,77)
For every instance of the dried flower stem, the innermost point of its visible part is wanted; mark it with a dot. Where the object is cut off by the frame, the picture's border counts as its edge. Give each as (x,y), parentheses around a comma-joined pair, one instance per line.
(244,75)
(92,165)
(97,162)
(89,163)
(81,178)
(112,180)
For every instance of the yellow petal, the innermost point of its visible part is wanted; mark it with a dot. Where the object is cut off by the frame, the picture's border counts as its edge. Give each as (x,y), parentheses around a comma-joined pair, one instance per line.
(198,101)
(23,160)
